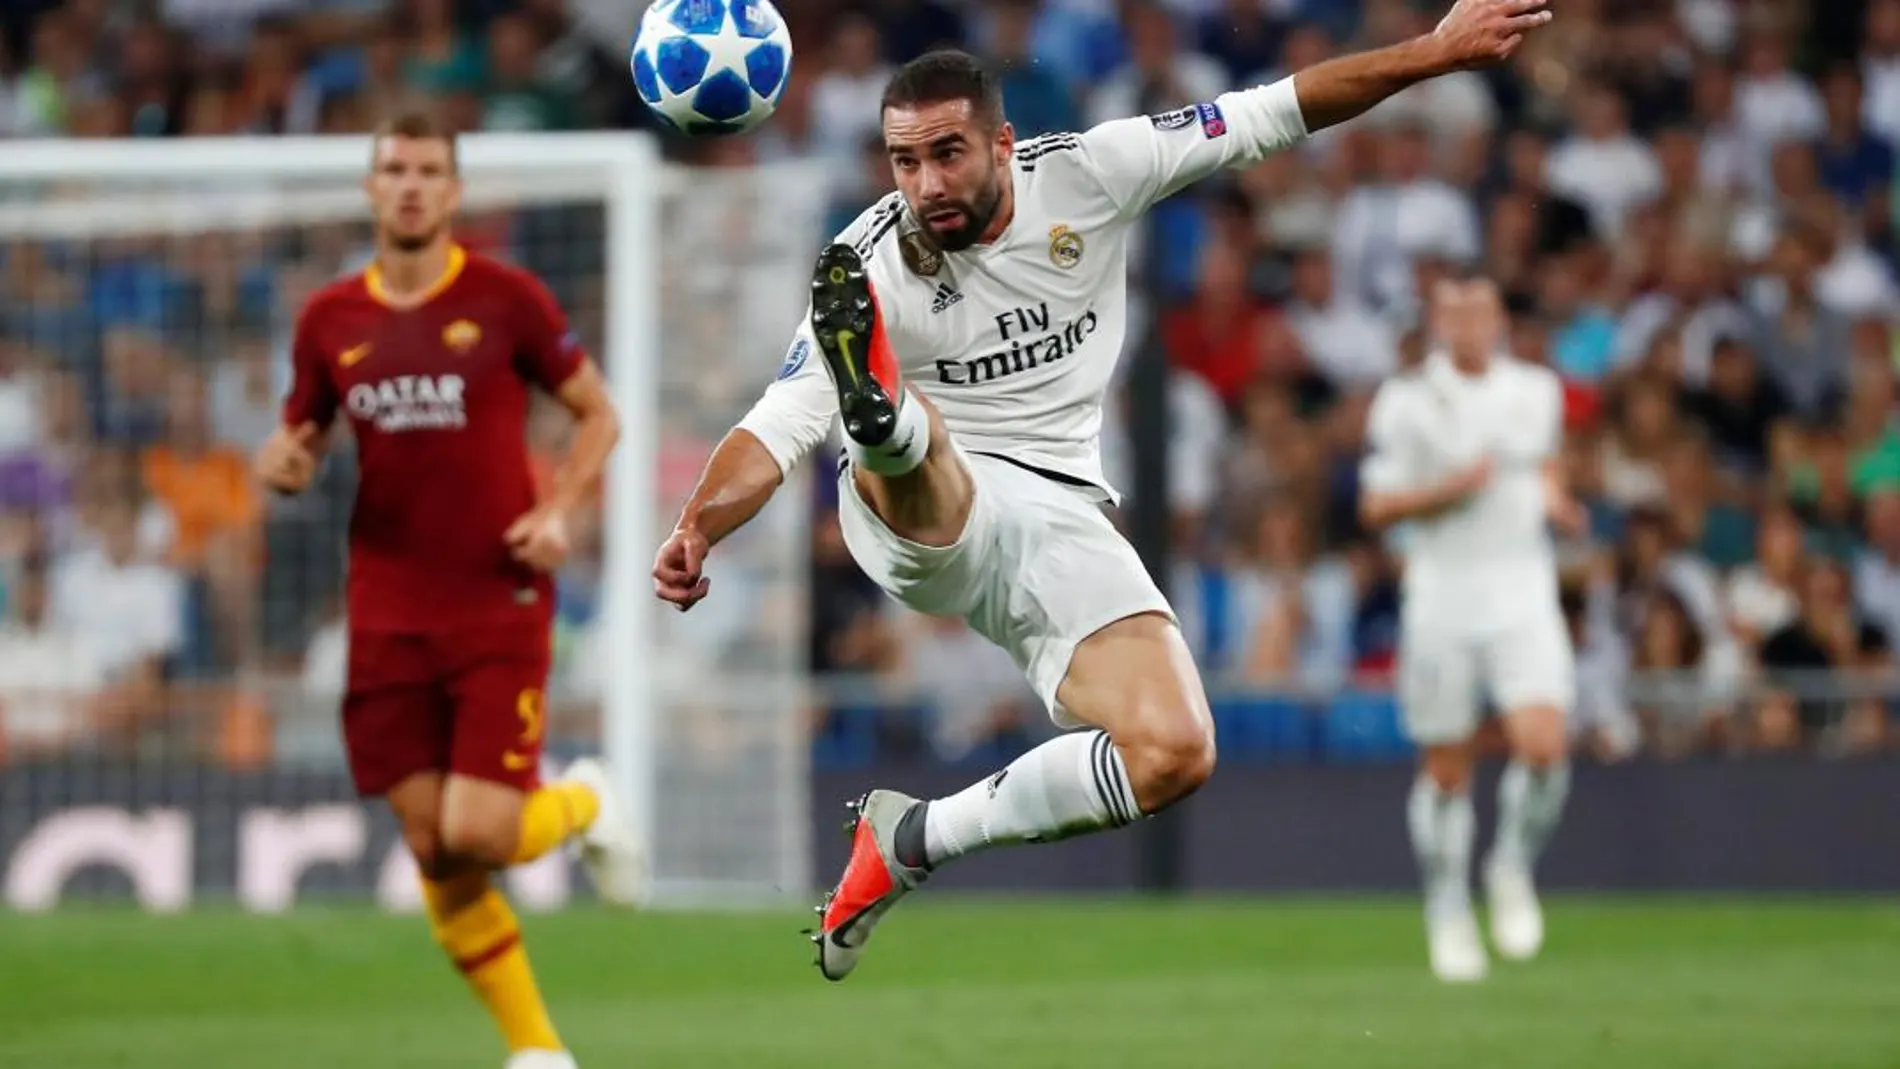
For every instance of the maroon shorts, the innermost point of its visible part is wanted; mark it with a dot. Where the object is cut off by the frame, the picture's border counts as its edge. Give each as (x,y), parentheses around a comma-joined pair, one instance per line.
(466,700)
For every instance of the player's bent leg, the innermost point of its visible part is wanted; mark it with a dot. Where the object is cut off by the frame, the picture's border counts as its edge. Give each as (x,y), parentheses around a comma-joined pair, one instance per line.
(1531,797)
(471,920)
(1443,828)
(903,463)
(1151,744)
(416,802)
(482,820)
(497,809)
(476,927)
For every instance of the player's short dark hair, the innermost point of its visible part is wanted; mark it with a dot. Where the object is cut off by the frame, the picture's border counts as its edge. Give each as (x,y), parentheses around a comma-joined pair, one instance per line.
(417,124)
(943,76)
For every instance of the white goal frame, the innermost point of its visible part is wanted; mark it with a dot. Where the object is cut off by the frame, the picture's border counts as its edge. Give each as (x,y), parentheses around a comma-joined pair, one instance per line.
(624,171)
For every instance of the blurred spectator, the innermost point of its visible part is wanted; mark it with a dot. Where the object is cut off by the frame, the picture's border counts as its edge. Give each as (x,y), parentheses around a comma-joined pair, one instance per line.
(214,505)
(1406,214)
(1603,165)
(1739,409)
(1217,336)
(1880,64)
(1773,103)
(1037,100)
(59,78)
(514,96)
(1762,596)
(1856,164)
(1291,608)
(976,694)
(844,101)
(1802,344)
(130,608)
(1348,346)
(1877,566)
(1159,76)
(49,675)
(441,56)
(1828,636)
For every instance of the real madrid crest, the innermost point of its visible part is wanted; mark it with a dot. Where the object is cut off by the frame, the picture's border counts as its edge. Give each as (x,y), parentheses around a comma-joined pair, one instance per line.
(461,336)
(1065,247)
(920,255)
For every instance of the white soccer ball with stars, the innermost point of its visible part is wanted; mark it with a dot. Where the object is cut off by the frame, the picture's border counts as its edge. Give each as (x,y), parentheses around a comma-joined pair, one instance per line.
(712,67)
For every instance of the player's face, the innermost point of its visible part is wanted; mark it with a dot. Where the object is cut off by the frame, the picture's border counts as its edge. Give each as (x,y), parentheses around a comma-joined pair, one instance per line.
(413,190)
(1468,318)
(951,168)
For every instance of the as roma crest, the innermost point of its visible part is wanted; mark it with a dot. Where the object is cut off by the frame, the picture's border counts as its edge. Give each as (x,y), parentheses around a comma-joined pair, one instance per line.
(1065,247)
(920,255)
(461,336)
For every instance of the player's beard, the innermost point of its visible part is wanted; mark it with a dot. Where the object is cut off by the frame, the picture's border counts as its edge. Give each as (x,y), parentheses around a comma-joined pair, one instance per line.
(415,241)
(978,213)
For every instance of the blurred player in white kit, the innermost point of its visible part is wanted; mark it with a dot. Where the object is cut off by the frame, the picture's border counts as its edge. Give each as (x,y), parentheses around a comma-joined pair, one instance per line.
(966,328)
(1463,456)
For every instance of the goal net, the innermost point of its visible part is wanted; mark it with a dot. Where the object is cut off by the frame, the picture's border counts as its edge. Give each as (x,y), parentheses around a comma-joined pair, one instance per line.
(174,648)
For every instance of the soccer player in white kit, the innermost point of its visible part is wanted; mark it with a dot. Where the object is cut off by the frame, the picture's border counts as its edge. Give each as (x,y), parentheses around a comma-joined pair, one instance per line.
(967,329)
(1463,455)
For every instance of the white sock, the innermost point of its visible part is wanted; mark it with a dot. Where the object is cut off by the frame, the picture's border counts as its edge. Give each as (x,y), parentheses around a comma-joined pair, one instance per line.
(904,450)
(1443,827)
(1530,803)
(1071,785)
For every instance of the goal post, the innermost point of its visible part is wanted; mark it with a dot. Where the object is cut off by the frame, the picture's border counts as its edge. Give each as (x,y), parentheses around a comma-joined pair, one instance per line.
(709,743)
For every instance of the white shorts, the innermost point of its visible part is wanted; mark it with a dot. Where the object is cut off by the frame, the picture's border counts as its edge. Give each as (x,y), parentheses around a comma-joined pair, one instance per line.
(1039,568)
(1446,673)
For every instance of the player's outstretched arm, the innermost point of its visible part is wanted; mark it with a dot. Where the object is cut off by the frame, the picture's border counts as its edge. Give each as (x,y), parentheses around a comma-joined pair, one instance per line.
(1140,161)
(739,479)
(747,468)
(1393,488)
(539,538)
(289,458)
(1382,508)
(1476,33)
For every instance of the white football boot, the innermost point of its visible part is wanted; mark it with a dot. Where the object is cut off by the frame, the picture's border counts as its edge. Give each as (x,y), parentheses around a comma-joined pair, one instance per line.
(1517,919)
(541,1059)
(1457,948)
(611,850)
(872,883)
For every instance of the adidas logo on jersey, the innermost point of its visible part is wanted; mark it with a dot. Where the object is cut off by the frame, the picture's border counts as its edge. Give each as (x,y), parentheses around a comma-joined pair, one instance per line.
(945,298)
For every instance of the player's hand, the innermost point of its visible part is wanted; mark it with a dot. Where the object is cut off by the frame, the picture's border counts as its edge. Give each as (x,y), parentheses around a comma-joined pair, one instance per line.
(677,570)
(1469,481)
(539,538)
(1479,33)
(287,462)
(1570,518)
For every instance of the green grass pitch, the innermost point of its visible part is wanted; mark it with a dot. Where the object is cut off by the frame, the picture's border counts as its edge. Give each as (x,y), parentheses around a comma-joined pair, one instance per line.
(978,983)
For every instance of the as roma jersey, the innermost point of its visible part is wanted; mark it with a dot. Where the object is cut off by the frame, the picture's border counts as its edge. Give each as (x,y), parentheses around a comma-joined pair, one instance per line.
(437,395)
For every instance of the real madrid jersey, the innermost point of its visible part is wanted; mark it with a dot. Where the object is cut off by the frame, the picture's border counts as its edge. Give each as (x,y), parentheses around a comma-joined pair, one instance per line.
(1016,341)
(1491,554)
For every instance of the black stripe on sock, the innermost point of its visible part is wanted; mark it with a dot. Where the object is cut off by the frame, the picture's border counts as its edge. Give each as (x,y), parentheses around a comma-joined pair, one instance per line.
(1102,750)
(1120,775)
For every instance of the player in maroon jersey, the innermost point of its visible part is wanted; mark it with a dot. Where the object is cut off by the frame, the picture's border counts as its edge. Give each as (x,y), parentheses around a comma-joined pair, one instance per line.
(432,354)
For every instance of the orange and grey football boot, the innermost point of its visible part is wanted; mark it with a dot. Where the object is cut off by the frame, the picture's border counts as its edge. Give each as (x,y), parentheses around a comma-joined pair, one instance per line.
(873,881)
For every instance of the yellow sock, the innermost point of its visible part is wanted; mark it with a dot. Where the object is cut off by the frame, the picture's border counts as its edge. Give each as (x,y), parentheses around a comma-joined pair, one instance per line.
(551,814)
(474,924)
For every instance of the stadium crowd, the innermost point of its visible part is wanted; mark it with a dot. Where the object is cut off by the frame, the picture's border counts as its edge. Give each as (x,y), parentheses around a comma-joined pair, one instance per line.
(1689,204)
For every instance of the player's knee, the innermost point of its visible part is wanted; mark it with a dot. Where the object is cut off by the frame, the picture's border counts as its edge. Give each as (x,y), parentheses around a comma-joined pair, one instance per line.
(424,839)
(1448,768)
(1168,763)
(488,843)
(1538,738)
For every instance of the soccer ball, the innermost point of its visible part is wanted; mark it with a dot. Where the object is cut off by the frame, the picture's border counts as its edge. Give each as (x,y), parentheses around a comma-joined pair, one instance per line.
(711,67)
